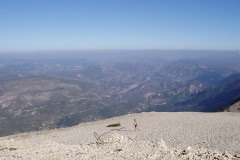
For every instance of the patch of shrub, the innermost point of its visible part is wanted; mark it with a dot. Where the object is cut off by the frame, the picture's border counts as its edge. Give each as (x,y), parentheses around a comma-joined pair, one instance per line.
(12,149)
(118,150)
(1,149)
(114,125)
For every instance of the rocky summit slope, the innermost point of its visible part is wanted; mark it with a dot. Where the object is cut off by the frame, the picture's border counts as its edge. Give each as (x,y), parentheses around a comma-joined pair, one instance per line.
(234,107)
(185,135)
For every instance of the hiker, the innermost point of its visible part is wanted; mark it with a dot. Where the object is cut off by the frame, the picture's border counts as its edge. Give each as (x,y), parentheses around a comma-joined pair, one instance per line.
(135,125)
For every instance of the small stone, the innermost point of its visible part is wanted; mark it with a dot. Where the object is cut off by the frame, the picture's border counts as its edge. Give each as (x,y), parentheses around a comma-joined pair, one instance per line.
(189,149)
(200,155)
(226,156)
(237,155)
(185,152)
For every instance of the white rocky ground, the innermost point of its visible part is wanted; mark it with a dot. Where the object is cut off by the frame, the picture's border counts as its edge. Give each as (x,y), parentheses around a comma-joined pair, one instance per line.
(161,136)
(234,108)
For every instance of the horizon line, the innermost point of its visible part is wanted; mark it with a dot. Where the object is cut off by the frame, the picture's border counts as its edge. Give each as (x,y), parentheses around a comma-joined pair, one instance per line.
(115,49)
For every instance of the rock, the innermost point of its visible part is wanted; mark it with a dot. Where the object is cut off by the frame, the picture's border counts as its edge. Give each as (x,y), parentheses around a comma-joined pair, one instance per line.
(189,149)
(185,152)
(162,144)
(237,155)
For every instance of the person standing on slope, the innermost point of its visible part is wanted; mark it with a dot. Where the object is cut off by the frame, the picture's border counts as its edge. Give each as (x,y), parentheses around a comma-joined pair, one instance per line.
(135,125)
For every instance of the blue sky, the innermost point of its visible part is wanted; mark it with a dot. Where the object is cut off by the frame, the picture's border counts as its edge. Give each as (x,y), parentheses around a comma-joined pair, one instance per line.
(27,25)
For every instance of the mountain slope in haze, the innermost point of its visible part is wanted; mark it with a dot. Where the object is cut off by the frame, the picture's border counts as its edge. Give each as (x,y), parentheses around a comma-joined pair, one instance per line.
(47,94)
(33,103)
(214,98)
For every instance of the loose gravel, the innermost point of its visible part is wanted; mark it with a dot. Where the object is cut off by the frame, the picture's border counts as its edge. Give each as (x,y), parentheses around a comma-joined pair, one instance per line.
(181,135)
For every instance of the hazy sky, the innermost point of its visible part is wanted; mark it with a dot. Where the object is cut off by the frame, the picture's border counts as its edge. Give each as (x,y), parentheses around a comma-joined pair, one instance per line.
(119,24)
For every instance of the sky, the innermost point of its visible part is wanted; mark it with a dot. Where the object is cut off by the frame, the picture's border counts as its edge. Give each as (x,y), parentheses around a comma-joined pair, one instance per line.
(35,25)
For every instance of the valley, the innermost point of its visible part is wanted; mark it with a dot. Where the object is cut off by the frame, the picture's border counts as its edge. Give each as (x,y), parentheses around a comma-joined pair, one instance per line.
(46,94)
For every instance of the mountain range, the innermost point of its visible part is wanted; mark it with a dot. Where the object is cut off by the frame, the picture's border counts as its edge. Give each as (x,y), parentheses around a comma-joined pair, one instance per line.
(38,94)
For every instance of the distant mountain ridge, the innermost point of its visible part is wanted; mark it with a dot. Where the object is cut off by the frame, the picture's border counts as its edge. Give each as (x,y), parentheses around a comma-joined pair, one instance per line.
(215,97)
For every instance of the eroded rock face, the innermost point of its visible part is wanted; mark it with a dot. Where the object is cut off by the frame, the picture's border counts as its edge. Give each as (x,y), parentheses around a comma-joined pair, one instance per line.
(195,88)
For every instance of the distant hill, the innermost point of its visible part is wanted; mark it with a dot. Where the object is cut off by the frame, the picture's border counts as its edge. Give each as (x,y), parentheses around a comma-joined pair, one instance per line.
(214,98)
(37,102)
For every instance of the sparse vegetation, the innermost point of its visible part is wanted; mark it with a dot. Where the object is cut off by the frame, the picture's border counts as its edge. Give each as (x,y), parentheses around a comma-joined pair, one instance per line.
(12,149)
(220,110)
(118,150)
(1,149)
(114,125)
